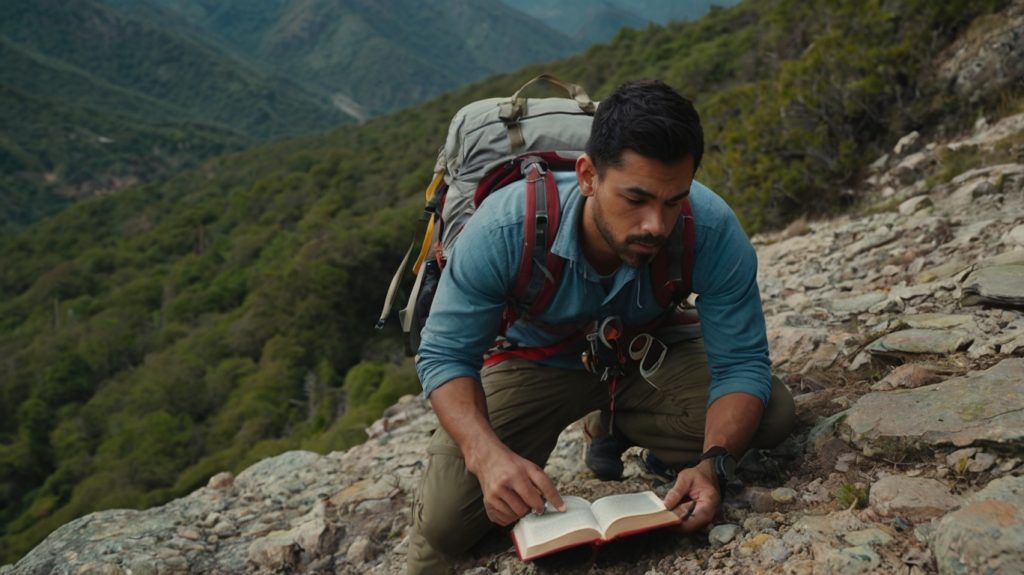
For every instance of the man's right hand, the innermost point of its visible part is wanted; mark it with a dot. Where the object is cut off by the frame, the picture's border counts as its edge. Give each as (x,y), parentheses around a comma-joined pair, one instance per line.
(512,485)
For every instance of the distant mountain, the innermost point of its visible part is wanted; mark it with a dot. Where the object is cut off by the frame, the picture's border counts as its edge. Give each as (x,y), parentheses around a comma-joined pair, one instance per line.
(592,21)
(372,55)
(194,81)
(94,101)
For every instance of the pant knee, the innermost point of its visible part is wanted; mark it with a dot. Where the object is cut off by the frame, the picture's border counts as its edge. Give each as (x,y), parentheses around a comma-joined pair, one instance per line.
(779,417)
(447,535)
(448,512)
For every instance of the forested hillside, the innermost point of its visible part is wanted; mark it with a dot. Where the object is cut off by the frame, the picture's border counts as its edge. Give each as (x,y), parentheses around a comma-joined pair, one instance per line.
(155,337)
(94,101)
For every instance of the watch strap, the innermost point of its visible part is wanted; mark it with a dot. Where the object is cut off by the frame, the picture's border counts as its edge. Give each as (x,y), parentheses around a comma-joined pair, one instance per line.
(715,451)
(719,457)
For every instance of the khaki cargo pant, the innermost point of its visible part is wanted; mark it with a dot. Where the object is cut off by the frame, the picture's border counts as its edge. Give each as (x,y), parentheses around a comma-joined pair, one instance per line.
(530,405)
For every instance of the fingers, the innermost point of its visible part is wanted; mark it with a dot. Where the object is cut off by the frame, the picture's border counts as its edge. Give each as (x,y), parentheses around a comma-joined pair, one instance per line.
(679,492)
(694,498)
(696,515)
(499,512)
(522,488)
(547,489)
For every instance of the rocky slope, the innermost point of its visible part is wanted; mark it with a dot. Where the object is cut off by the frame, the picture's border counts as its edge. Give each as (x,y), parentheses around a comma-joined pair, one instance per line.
(899,329)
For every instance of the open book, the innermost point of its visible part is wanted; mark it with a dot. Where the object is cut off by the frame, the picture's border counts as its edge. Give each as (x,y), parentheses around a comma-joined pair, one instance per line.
(583,522)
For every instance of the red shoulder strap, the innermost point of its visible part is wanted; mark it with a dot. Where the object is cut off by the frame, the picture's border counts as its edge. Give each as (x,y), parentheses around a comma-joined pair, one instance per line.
(672,269)
(539,270)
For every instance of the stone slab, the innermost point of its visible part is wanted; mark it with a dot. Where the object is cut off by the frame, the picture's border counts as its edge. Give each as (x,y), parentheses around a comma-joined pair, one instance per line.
(1000,286)
(915,498)
(938,321)
(947,269)
(986,535)
(921,341)
(979,407)
(858,303)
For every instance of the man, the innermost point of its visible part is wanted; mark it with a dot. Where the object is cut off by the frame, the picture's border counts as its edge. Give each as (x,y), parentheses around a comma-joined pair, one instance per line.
(712,397)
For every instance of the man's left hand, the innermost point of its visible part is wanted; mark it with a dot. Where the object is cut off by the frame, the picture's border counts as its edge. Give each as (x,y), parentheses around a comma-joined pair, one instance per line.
(695,497)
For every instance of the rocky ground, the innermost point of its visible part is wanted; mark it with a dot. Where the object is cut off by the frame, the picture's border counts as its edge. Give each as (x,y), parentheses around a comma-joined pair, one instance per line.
(900,332)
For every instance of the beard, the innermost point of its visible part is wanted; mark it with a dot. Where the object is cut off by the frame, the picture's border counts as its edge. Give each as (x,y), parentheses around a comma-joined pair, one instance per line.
(622,248)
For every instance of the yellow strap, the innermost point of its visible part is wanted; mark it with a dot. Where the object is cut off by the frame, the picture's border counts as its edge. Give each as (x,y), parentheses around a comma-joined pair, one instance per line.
(429,194)
(425,248)
(429,235)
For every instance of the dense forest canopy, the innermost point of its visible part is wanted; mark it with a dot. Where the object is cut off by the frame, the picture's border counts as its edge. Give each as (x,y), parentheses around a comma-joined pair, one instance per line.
(155,337)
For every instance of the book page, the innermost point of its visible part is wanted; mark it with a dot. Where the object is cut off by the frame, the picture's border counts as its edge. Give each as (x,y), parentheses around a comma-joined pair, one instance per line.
(618,514)
(536,535)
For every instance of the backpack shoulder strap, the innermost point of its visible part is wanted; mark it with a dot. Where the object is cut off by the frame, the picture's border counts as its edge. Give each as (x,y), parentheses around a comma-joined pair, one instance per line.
(539,270)
(672,268)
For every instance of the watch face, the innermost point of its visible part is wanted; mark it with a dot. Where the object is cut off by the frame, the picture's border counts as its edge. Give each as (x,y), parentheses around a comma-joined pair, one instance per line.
(729,465)
(725,469)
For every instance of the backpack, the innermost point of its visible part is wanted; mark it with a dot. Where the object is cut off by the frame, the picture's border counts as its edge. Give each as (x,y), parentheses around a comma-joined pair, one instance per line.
(492,143)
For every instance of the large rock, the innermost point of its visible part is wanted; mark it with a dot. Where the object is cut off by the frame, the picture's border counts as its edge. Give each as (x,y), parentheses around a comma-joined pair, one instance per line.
(988,135)
(915,498)
(921,341)
(1000,286)
(909,376)
(938,321)
(858,303)
(295,512)
(985,406)
(986,535)
(987,58)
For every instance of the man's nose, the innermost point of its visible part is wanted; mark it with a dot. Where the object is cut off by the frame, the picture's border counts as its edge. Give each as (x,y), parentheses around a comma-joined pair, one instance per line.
(653,224)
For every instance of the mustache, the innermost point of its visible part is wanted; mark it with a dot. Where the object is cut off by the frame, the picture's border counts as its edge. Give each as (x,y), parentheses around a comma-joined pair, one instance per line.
(648,239)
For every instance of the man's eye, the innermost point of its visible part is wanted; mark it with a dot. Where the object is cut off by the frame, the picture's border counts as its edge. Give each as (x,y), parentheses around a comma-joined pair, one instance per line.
(634,201)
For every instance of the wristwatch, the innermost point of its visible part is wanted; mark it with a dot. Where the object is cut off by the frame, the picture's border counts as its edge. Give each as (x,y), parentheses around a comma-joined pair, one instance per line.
(724,465)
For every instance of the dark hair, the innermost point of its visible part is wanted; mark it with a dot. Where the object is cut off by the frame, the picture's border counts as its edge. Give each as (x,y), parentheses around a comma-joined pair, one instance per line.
(649,118)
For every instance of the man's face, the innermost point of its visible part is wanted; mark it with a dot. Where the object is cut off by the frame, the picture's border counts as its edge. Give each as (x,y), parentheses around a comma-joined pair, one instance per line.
(631,209)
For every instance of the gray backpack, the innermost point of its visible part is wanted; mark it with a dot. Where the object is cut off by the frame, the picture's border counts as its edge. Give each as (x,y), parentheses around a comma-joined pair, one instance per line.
(492,143)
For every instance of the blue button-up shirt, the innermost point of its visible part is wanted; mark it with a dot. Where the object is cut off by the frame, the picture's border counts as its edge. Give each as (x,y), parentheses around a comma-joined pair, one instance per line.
(476,282)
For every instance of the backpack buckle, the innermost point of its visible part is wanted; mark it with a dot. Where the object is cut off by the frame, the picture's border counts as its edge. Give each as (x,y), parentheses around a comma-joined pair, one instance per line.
(531,161)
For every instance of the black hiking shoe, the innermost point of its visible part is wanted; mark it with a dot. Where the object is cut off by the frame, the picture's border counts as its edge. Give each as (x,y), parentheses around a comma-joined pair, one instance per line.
(604,457)
(651,465)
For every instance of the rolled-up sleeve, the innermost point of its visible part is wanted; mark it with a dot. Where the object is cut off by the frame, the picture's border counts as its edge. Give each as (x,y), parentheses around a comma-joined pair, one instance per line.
(732,320)
(471,295)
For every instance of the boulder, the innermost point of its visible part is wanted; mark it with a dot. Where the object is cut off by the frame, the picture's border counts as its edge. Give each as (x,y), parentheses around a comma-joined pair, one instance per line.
(1000,286)
(907,143)
(981,406)
(986,535)
(858,303)
(914,204)
(915,498)
(921,341)
(988,58)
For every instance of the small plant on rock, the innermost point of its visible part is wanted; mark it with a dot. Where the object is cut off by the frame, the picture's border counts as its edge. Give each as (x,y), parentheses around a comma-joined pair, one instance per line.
(851,496)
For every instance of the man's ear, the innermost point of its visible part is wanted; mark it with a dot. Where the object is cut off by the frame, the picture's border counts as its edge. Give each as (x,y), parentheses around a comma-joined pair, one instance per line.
(586,175)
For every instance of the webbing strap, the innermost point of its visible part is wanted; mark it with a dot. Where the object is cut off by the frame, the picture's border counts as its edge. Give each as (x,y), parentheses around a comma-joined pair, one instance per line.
(389,300)
(672,268)
(530,233)
(531,353)
(689,247)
